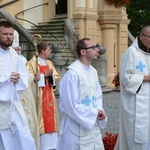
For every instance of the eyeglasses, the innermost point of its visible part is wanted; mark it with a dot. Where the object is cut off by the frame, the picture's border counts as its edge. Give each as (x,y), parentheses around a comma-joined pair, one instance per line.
(93,47)
(148,36)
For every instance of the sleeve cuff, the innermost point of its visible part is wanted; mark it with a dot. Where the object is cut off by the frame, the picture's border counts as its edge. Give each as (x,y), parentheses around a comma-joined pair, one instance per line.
(135,83)
(41,82)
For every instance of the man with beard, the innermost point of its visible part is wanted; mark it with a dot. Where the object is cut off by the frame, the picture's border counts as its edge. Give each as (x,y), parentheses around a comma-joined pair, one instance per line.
(14,130)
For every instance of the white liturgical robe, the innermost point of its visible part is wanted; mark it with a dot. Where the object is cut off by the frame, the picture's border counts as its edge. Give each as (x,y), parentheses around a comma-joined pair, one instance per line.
(134,131)
(80,113)
(14,131)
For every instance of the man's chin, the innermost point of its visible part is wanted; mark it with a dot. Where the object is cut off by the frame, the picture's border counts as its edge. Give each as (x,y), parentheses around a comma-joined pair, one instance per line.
(7,45)
(96,57)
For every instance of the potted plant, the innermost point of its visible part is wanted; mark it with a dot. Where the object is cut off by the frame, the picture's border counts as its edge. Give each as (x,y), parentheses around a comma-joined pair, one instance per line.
(116,80)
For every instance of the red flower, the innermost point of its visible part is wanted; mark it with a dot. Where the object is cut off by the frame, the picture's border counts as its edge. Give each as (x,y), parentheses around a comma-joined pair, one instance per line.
(109,141)
(116,80)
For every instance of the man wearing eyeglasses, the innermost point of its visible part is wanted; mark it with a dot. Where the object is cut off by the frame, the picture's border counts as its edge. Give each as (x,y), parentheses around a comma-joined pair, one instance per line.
(134,130)
(81,102)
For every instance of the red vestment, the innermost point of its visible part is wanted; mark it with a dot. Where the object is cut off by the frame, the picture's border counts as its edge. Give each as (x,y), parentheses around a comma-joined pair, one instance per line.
(47,104)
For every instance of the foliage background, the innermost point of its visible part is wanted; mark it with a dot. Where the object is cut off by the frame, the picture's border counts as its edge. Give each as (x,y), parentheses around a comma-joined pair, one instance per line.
(139,14)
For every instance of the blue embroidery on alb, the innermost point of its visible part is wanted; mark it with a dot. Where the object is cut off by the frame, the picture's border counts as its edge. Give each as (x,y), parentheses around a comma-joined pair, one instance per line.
(86,101)
(140,66)
(94,102)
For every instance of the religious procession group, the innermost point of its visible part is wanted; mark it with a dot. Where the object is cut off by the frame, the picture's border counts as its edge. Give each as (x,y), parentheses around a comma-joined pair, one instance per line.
(29,118)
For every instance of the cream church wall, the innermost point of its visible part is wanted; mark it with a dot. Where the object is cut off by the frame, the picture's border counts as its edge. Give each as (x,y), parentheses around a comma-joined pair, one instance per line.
(95,19)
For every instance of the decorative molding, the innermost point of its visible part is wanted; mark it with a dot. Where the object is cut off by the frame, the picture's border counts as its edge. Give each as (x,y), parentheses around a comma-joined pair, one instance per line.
(85,16)
(108,26)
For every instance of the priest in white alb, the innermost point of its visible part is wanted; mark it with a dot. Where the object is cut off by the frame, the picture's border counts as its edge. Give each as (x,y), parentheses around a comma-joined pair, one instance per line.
(134,131)
(14,130)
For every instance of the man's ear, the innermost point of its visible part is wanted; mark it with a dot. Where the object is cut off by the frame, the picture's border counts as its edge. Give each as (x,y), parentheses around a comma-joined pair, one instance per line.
(140,36)
(82,51)
(42,51)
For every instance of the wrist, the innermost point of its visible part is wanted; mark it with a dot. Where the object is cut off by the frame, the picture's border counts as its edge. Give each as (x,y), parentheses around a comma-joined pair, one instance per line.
(147,78)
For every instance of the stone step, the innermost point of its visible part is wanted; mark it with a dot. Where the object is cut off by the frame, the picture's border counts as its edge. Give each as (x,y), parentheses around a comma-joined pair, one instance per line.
(52,22)
(57,18)
(51,32)
(48,37)
(50,42)
(47,27)
(44,32)
(60,16)
(44,24)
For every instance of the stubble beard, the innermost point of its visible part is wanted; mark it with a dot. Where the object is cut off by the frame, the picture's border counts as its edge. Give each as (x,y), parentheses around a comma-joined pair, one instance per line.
(5,44)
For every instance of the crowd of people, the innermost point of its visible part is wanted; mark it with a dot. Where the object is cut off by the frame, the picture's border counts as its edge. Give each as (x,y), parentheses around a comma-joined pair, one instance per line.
(31,121)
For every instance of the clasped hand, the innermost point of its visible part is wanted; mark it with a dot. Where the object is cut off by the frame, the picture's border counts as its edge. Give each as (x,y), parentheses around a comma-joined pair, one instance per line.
(48,73)
(14,77)
(101,115)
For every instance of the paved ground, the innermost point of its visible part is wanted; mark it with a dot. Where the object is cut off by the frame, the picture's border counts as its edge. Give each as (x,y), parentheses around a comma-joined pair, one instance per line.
(111,106)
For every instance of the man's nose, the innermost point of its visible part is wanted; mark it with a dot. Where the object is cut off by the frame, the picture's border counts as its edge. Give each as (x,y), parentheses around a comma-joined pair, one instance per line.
(98,50)
(9,36)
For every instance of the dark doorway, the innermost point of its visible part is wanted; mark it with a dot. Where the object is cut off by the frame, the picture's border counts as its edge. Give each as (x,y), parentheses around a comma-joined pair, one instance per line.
(61,7)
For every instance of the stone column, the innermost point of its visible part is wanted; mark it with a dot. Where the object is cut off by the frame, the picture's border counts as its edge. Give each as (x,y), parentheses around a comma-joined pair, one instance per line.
(108,41)
(113,21)
(85,18)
